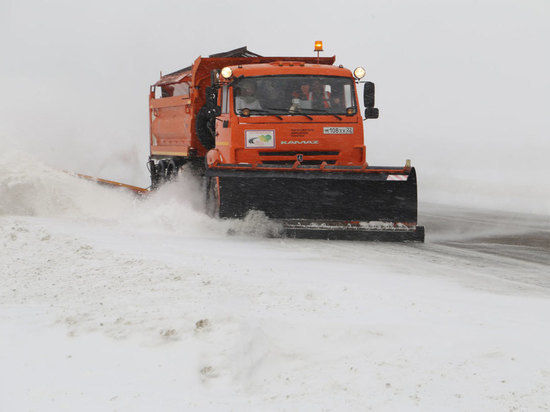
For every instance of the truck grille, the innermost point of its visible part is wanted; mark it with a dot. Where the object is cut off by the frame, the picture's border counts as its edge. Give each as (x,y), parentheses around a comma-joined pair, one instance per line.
(309,157)
(291,162)
(294,153)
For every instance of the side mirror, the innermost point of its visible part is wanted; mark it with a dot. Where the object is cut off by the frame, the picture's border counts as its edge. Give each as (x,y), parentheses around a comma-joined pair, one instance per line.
(371,112)
(368,94)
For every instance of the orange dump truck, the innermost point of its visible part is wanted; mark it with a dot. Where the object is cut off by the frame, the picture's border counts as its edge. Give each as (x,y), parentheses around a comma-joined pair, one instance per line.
(282,135)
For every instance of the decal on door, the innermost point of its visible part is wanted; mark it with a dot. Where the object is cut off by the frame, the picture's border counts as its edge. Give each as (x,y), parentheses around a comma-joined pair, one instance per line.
(259,138)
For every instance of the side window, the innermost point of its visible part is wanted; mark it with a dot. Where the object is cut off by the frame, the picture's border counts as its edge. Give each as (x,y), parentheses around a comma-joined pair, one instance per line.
(347,95)
(181,89)
(167,90)
(225,99)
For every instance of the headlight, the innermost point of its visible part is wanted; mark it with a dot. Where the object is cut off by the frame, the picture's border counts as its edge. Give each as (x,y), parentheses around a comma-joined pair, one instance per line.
(359,73)
(227,72)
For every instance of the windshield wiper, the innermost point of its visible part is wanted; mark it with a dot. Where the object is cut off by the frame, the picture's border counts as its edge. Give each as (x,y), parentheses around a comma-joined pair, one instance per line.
(264,111)
(297,113)
(289,113)
(317,111)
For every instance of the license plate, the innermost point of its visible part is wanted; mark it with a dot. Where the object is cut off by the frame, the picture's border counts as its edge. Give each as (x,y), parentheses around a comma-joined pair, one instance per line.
(338,130)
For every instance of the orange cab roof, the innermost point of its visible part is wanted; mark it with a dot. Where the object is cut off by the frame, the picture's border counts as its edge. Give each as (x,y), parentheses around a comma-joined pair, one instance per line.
(288,68)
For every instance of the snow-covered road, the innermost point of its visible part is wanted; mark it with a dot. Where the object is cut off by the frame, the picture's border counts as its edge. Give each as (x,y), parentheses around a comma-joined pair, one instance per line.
(110,303)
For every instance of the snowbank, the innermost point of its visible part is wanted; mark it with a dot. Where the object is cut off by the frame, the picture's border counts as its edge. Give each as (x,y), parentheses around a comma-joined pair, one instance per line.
(109,302)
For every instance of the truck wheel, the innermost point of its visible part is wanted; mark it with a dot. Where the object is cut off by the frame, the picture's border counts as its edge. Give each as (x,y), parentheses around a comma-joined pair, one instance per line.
(155,175)
(162,172)
(212,197)
(171,170)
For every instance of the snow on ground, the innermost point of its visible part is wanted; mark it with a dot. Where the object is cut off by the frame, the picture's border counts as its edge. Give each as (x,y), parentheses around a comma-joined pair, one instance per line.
(108,302)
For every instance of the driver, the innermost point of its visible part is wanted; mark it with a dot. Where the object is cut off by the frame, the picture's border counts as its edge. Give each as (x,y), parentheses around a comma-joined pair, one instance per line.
(246,96)
(320,98)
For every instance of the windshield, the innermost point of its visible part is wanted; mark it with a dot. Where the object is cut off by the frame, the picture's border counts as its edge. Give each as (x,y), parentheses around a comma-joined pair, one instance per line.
(294,95)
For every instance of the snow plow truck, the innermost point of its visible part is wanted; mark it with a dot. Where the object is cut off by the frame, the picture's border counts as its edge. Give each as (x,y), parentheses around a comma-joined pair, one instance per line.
(284,136)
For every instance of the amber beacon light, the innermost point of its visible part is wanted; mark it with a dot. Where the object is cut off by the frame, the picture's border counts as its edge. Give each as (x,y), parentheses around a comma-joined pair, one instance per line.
(318,48)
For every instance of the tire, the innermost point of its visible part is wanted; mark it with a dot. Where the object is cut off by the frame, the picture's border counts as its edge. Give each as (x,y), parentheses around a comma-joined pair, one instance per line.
(212,198)
(154,173)
(171,171)
(162,172)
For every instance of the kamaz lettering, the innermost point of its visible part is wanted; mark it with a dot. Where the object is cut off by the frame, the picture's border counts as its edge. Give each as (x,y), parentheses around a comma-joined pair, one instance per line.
(300,142)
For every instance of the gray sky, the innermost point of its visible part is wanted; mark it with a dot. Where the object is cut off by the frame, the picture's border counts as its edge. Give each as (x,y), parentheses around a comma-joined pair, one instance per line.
(462,85)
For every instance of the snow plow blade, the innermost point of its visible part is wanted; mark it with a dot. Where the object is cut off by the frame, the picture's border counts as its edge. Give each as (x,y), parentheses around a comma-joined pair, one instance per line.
(367,204)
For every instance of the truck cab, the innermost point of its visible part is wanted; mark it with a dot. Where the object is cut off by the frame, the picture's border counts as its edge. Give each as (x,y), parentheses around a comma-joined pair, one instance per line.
(284,112)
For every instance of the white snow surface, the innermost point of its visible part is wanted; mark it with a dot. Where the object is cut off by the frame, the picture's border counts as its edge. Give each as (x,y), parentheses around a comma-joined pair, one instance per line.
(110,302)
